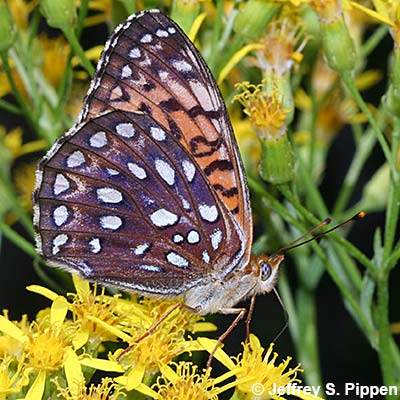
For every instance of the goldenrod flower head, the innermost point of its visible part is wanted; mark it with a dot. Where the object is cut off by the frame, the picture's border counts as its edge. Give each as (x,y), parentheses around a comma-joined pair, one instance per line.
(265,109)
(184,382)
(106,390)
(262,370)
(157,349)
(282,44)
(86,304)
(46,347)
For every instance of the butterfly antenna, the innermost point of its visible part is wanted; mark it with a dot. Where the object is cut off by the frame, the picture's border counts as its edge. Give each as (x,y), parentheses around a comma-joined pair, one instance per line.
(326,221)
(285,313)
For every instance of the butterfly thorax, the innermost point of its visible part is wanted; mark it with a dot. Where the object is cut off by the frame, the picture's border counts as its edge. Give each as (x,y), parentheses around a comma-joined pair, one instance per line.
(220,295)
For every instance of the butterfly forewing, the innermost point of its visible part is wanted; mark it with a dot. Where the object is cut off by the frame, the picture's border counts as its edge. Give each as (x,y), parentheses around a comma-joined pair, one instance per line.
(150,65)
(122,201)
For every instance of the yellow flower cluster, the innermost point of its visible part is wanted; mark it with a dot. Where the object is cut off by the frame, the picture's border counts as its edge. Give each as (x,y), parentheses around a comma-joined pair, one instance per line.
(72,339)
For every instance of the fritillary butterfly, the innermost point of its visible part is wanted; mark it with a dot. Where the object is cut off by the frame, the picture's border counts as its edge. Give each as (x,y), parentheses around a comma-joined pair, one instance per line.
(147,191)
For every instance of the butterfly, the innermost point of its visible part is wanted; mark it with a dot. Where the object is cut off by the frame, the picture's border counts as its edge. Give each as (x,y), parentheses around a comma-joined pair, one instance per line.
(147,191)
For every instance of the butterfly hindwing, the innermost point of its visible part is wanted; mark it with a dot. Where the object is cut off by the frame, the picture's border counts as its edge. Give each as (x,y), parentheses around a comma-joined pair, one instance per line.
(122,201)
(150,65)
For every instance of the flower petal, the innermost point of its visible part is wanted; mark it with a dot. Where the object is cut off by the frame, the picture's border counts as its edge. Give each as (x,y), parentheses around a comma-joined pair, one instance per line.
(103,365)
(235,59)
(58,310)
(73,373)
(135,376)
(117,332)
(142,388)
(169,373)
(82,286)
(220,355)
(36,391)
(7,327)
(80,338)
(42,291)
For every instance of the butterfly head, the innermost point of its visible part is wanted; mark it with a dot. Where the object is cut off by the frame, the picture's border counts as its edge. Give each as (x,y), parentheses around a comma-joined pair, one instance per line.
(267,270)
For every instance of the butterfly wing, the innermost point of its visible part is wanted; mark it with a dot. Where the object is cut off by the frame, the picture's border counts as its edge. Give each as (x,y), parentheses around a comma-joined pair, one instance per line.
(120,200)
(150,65)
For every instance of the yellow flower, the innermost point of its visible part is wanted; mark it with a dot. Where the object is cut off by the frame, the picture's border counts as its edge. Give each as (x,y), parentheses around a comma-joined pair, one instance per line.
(265,109)
(87,309)
(259,376)
(45,349)
(182,381)
(45,346)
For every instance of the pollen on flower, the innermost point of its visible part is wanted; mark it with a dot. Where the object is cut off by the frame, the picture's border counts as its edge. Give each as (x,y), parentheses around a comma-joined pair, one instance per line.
(87,304)
(46,348)
(188,384)
(106,390)
(264,107)
(157,349)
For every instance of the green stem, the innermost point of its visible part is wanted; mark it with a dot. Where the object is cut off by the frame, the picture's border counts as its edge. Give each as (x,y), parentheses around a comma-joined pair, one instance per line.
(363,151)
(216,34)
(349,82)
(9,196)
(384,353)
(373,41)
(5,105)
(309,186)
(83,10)
(20,99)
(392,214)
(70,35)
(308,349)
(18,240)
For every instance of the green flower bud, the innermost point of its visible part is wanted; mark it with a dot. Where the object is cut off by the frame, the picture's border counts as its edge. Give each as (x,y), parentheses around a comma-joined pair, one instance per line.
(184,13)
(277,162)
(253,18)
(338,45)
(264,104)
(7,28)
(59,13)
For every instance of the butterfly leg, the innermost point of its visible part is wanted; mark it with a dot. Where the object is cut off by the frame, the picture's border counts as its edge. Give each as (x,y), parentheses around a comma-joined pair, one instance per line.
(249,315)
(240,314)
(152,327)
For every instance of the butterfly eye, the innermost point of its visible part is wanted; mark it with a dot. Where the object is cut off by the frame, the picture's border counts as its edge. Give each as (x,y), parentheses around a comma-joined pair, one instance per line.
(265,270)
